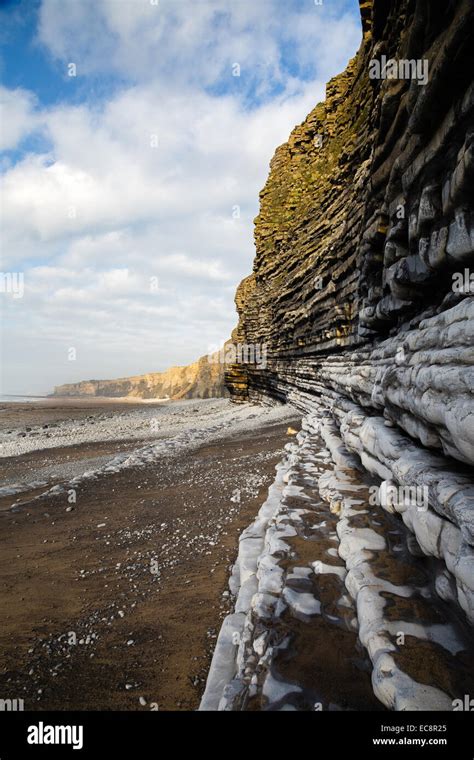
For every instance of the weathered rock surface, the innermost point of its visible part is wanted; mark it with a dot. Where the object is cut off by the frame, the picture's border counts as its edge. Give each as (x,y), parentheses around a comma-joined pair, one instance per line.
(362,294)
(320,576)
(202,379)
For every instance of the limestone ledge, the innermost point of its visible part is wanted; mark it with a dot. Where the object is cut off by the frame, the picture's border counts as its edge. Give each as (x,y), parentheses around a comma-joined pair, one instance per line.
(276,590)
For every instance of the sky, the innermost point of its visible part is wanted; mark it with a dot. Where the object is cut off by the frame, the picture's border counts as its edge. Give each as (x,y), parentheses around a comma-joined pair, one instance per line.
(135,137)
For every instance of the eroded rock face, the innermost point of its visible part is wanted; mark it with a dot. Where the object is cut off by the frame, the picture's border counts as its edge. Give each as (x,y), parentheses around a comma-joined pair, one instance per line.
(335,609)
(363,281)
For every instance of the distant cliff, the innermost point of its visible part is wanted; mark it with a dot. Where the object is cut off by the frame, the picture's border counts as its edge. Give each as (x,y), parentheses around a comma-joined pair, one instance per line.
(202,379)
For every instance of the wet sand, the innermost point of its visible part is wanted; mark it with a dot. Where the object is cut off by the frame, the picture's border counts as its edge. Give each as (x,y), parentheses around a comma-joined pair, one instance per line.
(114,601)
(56,409)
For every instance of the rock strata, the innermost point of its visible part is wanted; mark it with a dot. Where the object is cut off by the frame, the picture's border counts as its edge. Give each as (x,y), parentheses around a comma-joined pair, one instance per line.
(362,294)
(202,379)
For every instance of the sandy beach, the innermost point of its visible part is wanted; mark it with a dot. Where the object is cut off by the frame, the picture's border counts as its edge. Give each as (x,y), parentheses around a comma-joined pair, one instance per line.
(118,526)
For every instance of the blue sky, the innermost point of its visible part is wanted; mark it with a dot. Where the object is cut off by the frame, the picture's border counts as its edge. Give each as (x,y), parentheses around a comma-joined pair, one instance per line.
(129,189)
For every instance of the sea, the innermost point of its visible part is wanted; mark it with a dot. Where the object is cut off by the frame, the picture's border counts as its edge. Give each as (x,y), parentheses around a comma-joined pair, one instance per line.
(11,399)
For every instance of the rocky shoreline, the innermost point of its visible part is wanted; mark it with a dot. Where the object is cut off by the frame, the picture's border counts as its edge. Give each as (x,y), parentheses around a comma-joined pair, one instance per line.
(113,580)
(317,566)
(115,436)
(361,293)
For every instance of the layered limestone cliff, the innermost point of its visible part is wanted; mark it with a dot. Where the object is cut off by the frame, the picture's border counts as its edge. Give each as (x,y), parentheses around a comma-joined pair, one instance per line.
(202,379)
(362,293)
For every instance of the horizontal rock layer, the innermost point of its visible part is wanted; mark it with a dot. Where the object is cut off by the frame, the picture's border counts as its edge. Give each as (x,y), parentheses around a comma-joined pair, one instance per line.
(202,379)
(362,290)
(319,574)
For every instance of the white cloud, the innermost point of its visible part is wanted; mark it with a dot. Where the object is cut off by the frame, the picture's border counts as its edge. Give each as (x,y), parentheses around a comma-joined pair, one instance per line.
(199,41)
(102,212)
(17,117)
(212,155)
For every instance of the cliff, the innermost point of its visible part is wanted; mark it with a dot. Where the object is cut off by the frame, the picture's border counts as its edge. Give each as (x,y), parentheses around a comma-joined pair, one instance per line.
(361,293)
(202,379)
